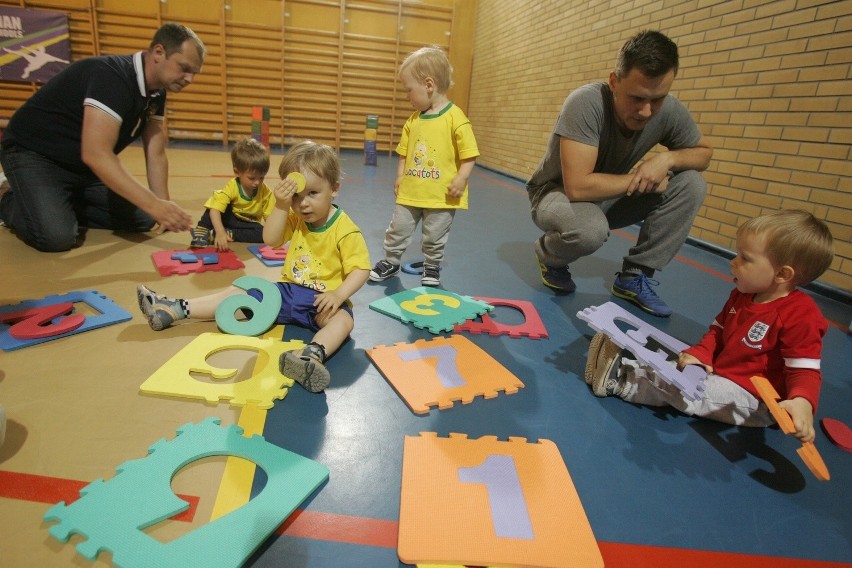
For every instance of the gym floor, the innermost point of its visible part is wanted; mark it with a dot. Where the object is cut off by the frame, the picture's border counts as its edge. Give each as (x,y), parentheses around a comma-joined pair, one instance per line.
(658,488)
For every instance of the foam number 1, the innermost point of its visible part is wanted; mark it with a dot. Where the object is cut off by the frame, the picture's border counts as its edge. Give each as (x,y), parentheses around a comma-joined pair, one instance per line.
(421,304)
(261,314)
(447,369)
(509,514)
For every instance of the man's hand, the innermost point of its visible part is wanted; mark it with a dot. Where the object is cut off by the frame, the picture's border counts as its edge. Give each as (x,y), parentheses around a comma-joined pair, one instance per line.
(652,176)
(170,216)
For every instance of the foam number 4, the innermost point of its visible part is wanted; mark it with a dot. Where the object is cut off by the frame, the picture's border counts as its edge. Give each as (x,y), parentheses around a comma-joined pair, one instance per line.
(264,313)
(447,369)
(509,513)
(421,304)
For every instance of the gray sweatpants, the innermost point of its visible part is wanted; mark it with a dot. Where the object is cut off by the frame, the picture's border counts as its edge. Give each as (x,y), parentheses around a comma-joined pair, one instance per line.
(723,400)
(575,230)
(436,232)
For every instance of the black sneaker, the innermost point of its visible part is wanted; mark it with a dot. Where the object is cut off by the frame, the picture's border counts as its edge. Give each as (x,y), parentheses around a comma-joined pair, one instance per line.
(200,237)
(383,270)
(431,275)
(557,278)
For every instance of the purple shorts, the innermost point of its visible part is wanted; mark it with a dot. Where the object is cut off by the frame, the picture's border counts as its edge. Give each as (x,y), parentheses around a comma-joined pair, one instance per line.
(297,305)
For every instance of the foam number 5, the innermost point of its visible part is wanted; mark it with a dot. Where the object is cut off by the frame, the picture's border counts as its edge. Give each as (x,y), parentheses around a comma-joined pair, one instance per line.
(509,513)
(261,314)
(416,306)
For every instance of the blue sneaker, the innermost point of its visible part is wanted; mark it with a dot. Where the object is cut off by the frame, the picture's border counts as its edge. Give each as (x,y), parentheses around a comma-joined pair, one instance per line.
(558,279)
(637,289)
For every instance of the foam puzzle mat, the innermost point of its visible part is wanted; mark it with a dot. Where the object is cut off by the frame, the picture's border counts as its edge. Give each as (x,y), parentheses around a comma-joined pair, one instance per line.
(111,514)
(441,371)
(36,321)
(265,385)
(486,502)
(430,308)
(207,259)
(531,327)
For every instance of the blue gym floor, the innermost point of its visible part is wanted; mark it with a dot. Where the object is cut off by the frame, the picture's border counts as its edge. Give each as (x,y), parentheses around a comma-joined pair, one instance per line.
(645,476)
(658,488)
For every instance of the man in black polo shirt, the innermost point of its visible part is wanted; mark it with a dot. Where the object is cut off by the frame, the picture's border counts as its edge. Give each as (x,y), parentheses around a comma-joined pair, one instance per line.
(60,149)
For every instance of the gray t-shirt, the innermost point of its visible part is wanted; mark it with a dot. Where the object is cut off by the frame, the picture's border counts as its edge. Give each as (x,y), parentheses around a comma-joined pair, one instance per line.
(587,117)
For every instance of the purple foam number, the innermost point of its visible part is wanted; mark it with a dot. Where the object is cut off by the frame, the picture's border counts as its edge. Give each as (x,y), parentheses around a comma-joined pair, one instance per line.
(448,371)
(509,513)
(603,318)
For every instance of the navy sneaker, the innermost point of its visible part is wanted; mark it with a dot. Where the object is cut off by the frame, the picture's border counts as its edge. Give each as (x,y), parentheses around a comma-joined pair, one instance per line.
(637,289)
(558,279)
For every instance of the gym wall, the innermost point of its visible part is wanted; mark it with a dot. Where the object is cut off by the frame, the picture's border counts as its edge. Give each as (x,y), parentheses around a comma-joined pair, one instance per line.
(767,81)
(320,67)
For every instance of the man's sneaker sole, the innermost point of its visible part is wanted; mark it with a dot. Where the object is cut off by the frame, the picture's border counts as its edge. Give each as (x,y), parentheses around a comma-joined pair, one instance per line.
(306,371)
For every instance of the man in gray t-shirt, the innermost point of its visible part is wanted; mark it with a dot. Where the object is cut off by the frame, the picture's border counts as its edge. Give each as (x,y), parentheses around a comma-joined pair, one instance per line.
(588,181)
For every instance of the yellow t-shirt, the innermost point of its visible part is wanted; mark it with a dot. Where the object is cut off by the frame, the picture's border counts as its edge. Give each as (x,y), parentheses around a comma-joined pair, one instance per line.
(322,257)
(434,146)
(255,209)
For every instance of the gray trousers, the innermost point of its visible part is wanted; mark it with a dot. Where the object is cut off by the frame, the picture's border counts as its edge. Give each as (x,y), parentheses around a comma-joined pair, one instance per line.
(436,232)
(723,400)
(575,230)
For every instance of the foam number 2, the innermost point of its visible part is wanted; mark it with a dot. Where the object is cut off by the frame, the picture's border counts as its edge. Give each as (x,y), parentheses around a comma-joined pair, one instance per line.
(264,313)
(421,304)
(509,513)
(43,321)
(447,370)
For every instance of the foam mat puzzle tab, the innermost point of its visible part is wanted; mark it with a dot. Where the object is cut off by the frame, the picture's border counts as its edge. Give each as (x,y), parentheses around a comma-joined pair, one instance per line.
(111,514)
(442,371)
(432,309)
(36,321)
(265,385)
(170,262)
(486,502)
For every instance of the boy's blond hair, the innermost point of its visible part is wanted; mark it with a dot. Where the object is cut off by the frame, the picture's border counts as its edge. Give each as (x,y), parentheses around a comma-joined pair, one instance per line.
(320,159)
(794,238)
(249,155)
(430,62)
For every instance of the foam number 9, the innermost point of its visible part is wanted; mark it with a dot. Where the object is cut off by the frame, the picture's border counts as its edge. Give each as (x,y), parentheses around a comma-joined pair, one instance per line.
(261,314)
(415,306)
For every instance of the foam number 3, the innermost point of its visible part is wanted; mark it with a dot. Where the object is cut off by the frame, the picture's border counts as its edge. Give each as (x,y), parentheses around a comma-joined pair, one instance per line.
(447,369)
(264,313)
(421,304)
(509,513)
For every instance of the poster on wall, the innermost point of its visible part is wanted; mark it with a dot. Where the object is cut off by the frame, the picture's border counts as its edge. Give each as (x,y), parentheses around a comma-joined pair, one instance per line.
(34,44)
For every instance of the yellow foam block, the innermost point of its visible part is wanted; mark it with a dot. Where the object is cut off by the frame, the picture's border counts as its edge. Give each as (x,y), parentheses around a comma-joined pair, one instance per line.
(264,386)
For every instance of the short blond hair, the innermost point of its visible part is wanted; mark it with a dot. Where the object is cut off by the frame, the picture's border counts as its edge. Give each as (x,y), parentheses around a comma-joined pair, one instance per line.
(431,62)
(249,155)
(795,238)
(311,156)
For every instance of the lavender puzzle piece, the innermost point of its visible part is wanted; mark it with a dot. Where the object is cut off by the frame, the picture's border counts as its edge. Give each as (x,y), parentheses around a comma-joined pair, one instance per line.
(603,318)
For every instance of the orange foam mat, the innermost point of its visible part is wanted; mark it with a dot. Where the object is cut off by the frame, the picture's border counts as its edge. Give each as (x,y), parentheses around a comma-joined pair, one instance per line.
(442,371)
(486,502)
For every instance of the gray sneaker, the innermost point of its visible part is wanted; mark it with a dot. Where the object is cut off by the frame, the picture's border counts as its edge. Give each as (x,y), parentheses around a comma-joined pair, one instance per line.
(306,368)
(431,275)
(161,312)
(602,366)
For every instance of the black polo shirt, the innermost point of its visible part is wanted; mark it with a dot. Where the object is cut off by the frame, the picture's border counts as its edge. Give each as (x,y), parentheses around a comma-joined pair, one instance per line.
(51,121)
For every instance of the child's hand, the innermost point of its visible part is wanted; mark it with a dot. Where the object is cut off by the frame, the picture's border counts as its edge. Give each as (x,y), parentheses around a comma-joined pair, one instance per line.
(284,192)
(327,305)
(221,241)
(457,186)
(802,414)
(396,185)
(685,359)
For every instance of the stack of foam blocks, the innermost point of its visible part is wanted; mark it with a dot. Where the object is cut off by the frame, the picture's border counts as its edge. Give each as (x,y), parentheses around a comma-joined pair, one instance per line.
(260,125)
(370,140)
